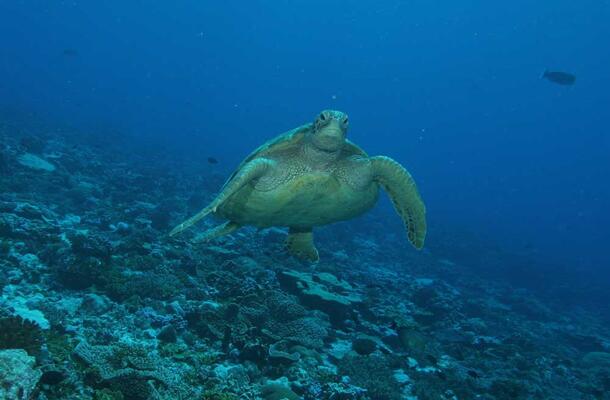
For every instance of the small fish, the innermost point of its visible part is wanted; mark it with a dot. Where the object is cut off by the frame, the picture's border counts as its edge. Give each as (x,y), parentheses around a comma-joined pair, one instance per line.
(560,78)
(70,52)
(473,374)
(212,160)
(432,359)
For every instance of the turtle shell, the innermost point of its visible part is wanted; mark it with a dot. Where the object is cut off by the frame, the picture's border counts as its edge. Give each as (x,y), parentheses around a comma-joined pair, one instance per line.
(292,138)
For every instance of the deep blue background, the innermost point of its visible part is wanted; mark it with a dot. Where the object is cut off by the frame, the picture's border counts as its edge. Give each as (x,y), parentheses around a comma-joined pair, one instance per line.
(450,89)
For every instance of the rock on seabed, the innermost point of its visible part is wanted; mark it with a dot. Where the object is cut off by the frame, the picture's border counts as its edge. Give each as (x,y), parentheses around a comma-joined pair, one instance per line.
(34,162)
(18,378)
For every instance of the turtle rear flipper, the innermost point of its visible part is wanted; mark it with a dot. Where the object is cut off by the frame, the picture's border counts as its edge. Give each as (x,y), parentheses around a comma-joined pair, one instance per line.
(402,190)
(252,170)
(217,231)
(300,244)
(191,221)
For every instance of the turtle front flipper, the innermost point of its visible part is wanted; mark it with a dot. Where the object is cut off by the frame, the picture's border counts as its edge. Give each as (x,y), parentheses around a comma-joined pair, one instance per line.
(401,188)
(217,231)
(300,244)
(249,172)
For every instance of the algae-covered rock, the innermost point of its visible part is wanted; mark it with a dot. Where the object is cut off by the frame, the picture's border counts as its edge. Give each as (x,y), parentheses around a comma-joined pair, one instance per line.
(168,334)
(34,162)
(412,340)
(596,360)
(18,378)
(322,291)
(309,332)
(129,369)
(278,391)
(4,162)
(214,395)
(343,391)
(279,354)
(107,394)
(374,373)
(364,345)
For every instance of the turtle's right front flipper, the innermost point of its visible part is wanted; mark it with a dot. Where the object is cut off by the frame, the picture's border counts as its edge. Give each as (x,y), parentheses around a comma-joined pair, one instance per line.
(401,188)
(249,172)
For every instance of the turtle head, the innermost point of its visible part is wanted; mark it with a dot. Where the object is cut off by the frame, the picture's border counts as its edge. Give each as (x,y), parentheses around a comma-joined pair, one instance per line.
(330,130)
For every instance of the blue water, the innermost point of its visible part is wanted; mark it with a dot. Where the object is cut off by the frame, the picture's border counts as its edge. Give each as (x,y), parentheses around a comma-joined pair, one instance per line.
(450,89)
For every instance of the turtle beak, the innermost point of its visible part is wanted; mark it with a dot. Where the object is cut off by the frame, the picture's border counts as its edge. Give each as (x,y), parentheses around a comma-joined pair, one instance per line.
(330,137)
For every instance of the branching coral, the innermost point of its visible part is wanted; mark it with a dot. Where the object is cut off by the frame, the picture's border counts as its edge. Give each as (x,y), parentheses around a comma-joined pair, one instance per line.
(18,333)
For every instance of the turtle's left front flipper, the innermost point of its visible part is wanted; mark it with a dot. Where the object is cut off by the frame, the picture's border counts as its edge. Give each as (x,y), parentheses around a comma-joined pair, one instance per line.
(249,172)
(401,188)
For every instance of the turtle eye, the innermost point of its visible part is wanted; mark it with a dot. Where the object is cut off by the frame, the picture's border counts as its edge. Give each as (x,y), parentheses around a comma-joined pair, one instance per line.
(322,117)
(345,121)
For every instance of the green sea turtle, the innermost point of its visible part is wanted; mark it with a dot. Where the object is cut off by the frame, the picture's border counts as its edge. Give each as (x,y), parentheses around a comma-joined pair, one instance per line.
(307,177)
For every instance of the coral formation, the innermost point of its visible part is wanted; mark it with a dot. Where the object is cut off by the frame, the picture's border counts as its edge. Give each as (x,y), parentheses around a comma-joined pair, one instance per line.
(18,376)
(18,333)
(113,309)
(323,291)
(374,373)
(32,161)
(128,369)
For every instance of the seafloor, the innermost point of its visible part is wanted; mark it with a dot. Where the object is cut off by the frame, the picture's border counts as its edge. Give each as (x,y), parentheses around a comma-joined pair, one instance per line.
(99,303)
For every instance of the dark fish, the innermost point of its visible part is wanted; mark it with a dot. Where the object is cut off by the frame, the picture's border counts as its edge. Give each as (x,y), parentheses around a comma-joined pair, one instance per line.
(212,160)
(560,78)
(473,374)
(431,358)
(70,52)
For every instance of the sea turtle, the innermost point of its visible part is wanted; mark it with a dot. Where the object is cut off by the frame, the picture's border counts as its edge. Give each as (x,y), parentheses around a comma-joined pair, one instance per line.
(307,177)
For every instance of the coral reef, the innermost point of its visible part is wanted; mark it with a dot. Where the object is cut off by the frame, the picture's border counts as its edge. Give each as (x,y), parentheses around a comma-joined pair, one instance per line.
(323,291)
(18,376)
(129,370)
(19,333)
(373,373)
(97,302)
(35,162)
